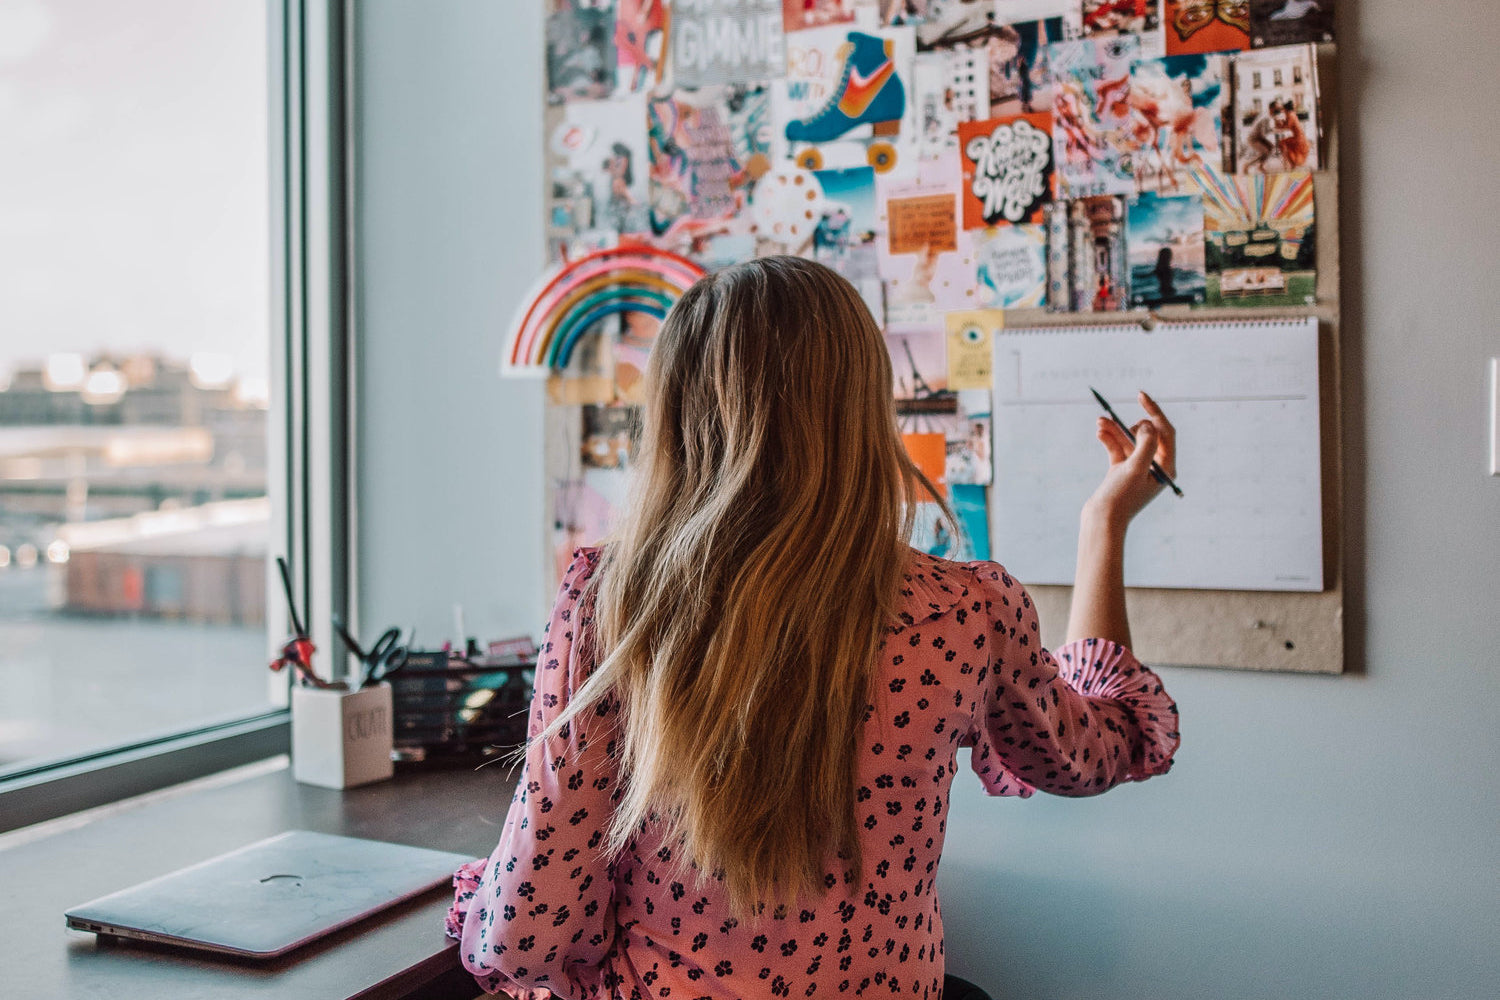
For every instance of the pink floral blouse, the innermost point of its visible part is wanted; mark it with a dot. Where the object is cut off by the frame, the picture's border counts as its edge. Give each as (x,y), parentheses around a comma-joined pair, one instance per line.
(963,667)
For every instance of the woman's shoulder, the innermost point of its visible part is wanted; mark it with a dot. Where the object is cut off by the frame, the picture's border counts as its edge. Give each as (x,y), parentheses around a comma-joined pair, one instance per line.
(585,561)
(588,555)
(952,571)
(934,585)
(576,589)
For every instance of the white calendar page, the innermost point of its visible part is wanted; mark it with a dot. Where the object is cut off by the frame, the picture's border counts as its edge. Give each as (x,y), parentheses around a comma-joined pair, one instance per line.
(1244,399)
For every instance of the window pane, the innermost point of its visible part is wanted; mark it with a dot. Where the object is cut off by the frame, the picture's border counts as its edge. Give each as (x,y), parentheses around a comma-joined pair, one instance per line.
(134,363)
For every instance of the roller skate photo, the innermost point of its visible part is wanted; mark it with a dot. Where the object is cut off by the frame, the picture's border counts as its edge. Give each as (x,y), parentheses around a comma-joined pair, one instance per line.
(846,100)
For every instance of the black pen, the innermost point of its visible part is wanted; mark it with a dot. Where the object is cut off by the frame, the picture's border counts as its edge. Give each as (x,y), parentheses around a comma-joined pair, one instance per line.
(291,602)
(1156,471)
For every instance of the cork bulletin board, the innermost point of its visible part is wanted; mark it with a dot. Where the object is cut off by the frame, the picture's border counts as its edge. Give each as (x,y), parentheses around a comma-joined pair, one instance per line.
(703,171)
(1253,630)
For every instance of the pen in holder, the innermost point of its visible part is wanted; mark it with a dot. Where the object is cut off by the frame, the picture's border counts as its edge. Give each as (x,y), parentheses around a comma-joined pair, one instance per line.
(341,738)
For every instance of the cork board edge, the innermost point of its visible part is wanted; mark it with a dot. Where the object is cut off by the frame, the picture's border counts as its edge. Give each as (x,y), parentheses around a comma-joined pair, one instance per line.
(1249,630)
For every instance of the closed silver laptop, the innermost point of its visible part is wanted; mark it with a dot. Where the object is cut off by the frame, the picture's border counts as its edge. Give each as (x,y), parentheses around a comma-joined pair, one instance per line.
(270,897)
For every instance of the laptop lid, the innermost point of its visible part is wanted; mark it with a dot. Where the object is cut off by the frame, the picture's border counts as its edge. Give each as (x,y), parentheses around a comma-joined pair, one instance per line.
(265,899)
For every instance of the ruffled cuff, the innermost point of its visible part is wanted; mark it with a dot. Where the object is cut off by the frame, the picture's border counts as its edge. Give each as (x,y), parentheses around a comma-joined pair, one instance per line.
(465,885)
(1100,668)
(1005,784)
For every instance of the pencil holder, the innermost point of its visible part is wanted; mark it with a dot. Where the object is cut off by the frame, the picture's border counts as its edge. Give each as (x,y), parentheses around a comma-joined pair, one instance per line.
(341,738)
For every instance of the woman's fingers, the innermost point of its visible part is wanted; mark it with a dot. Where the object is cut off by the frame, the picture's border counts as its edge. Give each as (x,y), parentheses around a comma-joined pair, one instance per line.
(1146,438)
(1114,440)
(1159,418)
(1166,449)
(1128,485)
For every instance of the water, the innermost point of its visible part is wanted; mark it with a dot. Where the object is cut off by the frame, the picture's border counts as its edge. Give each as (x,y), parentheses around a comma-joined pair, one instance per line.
(71,684)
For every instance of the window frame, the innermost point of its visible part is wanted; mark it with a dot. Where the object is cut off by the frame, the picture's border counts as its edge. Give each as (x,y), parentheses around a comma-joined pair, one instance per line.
(310,451)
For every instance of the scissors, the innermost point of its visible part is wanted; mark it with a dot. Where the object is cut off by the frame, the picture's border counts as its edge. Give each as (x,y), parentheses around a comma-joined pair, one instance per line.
(382,659)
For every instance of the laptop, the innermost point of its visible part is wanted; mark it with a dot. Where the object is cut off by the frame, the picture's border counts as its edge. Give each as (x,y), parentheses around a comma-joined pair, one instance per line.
(270,897)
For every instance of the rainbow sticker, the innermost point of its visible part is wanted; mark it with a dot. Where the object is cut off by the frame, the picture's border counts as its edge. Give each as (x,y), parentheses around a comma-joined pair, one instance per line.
(568,300)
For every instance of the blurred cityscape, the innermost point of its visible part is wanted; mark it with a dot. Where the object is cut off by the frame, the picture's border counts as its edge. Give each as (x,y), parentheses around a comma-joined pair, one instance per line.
(134,524)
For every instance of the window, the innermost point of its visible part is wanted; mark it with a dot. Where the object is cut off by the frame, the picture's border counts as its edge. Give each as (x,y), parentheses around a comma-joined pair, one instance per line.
(135,347)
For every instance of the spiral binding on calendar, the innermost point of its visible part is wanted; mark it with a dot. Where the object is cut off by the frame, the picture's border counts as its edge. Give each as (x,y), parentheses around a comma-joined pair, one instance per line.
(1152,322)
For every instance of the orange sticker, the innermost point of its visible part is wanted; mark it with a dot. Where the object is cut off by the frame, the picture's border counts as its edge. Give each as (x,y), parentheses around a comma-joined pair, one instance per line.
(927,222)
(930,454)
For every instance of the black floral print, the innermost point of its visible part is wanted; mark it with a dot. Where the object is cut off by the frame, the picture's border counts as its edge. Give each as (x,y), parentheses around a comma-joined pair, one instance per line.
(962,667)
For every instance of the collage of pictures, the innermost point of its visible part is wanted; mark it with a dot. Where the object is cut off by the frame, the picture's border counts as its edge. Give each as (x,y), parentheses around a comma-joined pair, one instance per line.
(952,159)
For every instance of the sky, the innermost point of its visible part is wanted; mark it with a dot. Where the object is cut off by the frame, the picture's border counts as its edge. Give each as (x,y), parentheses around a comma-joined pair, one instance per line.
(134,206)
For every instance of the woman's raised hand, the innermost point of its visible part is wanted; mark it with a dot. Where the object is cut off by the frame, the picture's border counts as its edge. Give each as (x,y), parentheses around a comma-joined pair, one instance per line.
(1128,484)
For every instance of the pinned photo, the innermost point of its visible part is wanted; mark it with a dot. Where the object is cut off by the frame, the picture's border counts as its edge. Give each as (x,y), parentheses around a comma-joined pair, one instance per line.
(580,51)
(609,436)
(1096,235)
(601,181)
(640,44)
(1010,266)
(1276,110)
(966,540)
(1207,26)
(799,15)
(1120,17)
(922,12)
(1178,106)
(847,217)
(1008,44)
(922,259)
(1164,241)
(968,454)
(919,370)
(707,147)
(844,236)
(949,87)
(1091,117)
(1288,22)
(1260,238)
(1020,76)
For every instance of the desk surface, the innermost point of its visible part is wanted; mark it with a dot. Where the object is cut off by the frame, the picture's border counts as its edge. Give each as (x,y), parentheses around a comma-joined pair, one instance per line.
(388,956)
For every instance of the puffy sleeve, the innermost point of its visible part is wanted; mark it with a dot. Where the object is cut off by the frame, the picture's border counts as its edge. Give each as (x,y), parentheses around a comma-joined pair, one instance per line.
(1077,723)
(538,914)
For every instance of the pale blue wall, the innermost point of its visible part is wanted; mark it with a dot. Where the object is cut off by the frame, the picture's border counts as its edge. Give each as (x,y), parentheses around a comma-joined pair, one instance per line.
(1328,837)
(449,221)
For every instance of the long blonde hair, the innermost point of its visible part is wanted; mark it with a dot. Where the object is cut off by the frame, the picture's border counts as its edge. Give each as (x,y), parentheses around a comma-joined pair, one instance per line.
(742,602)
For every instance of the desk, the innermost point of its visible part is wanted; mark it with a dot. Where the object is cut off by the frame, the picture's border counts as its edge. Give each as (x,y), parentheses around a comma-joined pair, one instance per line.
(399,953)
